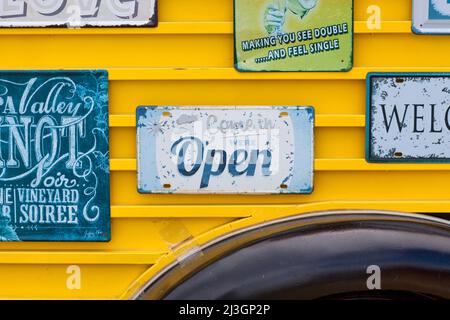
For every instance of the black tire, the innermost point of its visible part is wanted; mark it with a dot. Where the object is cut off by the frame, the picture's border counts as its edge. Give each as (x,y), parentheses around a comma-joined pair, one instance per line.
(318,256)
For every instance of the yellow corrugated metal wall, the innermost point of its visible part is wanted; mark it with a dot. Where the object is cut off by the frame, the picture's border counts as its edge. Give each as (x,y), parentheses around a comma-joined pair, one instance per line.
(188,60)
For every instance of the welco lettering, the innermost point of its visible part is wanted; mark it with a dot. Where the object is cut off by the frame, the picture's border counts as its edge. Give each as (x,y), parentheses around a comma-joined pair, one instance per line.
(417,118)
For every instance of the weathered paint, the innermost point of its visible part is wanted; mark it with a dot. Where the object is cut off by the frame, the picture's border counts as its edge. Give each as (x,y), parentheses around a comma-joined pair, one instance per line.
(293,35)
(225,149)
(431,16)
(54,156)
(77,13)
(408,117)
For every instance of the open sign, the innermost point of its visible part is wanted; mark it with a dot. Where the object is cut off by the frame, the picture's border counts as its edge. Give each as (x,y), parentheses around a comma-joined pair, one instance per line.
(225,149)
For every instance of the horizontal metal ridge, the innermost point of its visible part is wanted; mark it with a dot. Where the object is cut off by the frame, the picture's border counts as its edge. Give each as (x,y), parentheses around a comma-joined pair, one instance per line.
(229,73)
(194,27)
(181,73)
(324,120)
(180,211)
(79,257)
(240,211)
(325,165)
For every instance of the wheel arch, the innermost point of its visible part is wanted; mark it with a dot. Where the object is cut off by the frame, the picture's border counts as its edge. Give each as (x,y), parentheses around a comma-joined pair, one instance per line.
(191,263)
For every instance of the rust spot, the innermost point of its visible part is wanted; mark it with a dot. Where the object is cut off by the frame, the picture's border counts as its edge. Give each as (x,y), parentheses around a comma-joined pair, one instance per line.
(167,185)
(398,154)
(283,186)
(284,114)
(166,114)
(399,80)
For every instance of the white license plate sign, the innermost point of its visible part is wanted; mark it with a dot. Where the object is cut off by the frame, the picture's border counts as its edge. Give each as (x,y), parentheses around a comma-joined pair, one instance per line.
(431,16)
(77,13)
(263,150)
(408,118)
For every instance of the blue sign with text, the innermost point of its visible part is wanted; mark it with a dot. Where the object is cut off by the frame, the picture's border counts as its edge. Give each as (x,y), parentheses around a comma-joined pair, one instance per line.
(54,156)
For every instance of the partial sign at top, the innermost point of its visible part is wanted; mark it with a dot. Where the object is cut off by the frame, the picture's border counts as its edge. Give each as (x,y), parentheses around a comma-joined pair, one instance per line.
(293,35)
(77,13)
(431,17)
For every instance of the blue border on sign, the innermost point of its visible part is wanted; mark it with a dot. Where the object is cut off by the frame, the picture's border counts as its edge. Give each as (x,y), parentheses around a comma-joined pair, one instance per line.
(419,30)
(304,138)
(304,183)
(104,226)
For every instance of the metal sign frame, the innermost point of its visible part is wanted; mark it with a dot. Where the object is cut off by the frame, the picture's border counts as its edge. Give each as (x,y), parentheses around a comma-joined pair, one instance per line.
(426,18)
(54,156)
(347,62)
(174,130)
(368,131)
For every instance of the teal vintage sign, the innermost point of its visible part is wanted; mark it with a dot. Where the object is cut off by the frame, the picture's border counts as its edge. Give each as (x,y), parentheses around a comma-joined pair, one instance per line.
(54,156)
